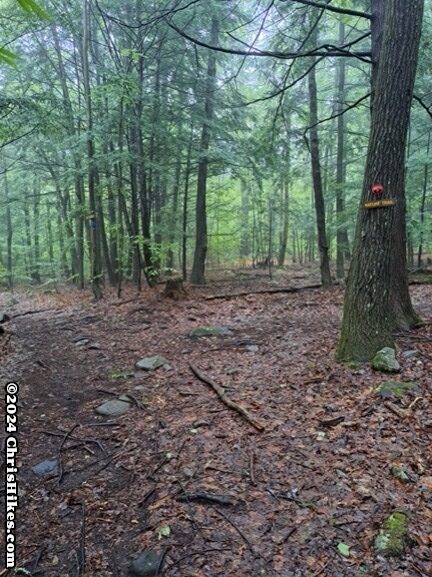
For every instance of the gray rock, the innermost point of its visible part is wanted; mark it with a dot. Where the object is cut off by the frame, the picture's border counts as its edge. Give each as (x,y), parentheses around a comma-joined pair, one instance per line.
(4,318)
(114,408)
(82,342)
(252,348)
(147,564)
(409,354)
(396,390)
(385,361)
(152,363)
(125,398)
(46,467)
(210,331)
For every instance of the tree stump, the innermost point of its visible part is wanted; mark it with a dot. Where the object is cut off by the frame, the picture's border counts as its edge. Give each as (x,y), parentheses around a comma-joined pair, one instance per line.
(174,289)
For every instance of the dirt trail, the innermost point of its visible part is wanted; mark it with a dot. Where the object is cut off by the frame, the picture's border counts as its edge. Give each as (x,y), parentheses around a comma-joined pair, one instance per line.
(297,489)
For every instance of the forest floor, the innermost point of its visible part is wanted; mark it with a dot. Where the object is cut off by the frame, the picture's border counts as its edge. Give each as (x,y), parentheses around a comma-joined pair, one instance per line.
(286,497)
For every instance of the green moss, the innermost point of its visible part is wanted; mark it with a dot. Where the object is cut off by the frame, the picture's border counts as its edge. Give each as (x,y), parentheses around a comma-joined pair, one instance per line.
(393,538)
(210,332)
(353,365)
(398,389)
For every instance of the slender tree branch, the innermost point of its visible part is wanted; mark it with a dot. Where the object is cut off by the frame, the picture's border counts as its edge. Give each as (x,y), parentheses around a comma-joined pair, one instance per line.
(423,104)
(335,9)
(12,140)
(286,86)
(350,107)
(163,14)
(280,55)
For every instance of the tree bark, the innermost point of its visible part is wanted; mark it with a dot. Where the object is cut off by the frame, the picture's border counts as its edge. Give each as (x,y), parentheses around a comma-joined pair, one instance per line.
(95,256)
(317,182)
(423,205)
(198,268)
(342,233)
(377,300)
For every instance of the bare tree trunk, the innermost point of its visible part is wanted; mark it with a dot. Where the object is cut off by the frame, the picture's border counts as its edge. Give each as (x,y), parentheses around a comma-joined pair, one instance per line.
(198,268)
(423,205)
(317,181)
(342,234)
(95,257)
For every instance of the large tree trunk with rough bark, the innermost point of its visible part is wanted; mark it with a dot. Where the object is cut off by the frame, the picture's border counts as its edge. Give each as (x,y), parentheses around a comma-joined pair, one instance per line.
(377,300)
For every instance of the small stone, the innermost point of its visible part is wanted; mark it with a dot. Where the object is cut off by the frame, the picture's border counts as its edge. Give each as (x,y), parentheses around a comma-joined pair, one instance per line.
(151,363)
(393,538)
(45,467)
(385,361)
(231,372)
(252,348)
(125,398)
(400,473)
(147,564)
(397,390)
(114,408)
(409,354)
(210,331)
(4,318)
(82,342)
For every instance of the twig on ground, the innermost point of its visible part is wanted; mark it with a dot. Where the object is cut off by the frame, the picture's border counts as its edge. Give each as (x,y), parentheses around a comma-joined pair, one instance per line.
(205,498)
(234,526)
(252,468)
(38,558)
(398,412)
(226,400)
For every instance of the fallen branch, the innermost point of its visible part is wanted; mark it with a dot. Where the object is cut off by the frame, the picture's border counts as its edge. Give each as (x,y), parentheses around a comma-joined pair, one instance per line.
(264,291)
(27,313)
(226,400)
(206,499)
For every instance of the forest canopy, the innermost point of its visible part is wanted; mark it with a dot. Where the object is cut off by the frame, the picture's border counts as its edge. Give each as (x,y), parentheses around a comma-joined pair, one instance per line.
(138,138)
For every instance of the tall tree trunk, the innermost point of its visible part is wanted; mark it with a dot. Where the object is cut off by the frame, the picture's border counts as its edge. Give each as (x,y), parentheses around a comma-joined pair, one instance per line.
(9,230)
(198,268)
(285,183)
(95,256)
(36,217)
(341,233)
(317,181)
(78,249)
(423,205)
(377,298)
(245,240)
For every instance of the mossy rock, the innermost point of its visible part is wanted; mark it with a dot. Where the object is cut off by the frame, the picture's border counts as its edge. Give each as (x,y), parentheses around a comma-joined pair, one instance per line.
(393,538)
(385,361)
(397,390)
(210,331)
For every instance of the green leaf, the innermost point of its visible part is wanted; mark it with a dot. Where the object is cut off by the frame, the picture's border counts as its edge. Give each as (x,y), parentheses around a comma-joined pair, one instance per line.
(164,531)
(344,549)
(8,57)
(33,7)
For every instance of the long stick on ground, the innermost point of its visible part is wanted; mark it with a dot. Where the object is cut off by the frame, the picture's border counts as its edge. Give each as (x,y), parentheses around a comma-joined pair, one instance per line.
(263,292)
(226,400)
